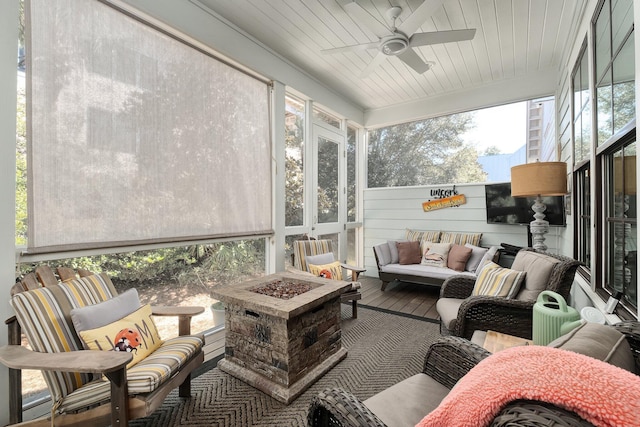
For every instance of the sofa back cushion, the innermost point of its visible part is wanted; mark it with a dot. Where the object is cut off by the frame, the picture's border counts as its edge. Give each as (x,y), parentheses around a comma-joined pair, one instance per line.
(601,342)
(420,235)
(538,268)
(383,253)
(461,238)
(477,253)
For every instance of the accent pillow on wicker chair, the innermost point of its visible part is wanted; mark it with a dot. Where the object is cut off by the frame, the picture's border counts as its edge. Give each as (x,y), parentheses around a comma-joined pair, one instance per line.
(497,281)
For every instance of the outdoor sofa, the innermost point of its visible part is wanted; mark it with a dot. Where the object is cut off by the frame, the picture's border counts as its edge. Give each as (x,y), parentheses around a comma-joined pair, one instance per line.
(416,269)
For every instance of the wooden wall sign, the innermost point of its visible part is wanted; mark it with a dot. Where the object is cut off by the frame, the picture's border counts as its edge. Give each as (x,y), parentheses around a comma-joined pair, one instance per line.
(446,202)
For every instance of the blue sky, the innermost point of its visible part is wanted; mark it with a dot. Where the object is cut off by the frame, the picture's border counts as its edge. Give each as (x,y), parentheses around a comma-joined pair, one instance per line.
(504,126)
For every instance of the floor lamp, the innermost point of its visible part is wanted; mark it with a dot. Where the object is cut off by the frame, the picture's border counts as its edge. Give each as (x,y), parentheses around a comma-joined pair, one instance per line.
(536,180)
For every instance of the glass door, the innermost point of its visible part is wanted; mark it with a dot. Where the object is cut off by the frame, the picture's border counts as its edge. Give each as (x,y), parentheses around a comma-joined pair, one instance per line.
(329,197)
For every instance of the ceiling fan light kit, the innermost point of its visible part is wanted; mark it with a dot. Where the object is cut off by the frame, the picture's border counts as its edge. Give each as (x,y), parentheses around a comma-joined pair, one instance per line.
(399,41)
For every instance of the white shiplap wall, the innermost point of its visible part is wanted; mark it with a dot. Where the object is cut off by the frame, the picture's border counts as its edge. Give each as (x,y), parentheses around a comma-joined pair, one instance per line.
(389,211)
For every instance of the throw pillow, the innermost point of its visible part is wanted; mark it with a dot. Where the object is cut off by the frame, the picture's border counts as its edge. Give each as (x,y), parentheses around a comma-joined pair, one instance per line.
(97,315)
(461,238)
(135,333)
(488,257)
(477,253)
(497,281)
(393,250)
(458,257)
(419,235)
(326,258)
(436,254)
(409,252)
(328,271)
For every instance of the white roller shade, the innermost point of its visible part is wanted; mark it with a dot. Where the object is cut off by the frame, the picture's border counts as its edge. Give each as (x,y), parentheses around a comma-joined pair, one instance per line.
(138,137)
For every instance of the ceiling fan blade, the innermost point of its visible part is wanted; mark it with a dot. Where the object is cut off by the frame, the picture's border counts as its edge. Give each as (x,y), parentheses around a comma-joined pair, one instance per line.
(413,60)
(361,15)
(377,60)
(436,37)
(419,16)
(363,46)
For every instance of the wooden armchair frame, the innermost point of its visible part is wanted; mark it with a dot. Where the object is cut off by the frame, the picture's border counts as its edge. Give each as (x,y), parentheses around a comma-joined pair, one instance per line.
(121,406)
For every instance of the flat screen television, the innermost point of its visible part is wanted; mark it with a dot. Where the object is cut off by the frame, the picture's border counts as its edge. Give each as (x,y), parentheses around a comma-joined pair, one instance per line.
(504,209)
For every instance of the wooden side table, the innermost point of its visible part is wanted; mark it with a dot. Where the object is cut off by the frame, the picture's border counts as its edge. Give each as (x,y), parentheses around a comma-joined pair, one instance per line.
(493,341)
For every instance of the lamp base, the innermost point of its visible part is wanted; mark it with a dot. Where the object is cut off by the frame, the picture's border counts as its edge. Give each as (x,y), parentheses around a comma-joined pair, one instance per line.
(539,226)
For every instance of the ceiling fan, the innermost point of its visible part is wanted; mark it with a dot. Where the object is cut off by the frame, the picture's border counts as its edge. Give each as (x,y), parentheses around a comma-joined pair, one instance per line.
(399,41)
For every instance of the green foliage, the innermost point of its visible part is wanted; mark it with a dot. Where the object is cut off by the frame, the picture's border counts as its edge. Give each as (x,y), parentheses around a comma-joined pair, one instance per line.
(21,170)
(425,152)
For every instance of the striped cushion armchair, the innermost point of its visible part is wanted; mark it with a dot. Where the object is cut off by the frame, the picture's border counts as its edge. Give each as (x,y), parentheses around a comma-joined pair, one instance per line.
(316,257)
(79,391)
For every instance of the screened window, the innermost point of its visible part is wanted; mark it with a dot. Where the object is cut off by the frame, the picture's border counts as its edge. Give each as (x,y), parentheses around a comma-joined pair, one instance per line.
(615,68)
(620,238)
(582,109)
(294,160)
(352,173)
(582,191)
(459,148)
(137,136)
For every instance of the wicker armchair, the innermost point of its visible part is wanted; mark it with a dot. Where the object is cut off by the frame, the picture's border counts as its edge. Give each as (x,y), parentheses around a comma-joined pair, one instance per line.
(509,316)
(448,360)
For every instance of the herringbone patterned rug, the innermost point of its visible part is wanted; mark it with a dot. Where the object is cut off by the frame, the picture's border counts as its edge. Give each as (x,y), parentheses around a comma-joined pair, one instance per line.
(383,350)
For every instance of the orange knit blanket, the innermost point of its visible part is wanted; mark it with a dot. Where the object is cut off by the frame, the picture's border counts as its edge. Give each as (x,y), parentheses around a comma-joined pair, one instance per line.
(598,392)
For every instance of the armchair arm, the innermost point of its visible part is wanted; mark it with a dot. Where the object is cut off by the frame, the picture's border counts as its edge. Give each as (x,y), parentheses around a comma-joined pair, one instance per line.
(458,286)
(335,406)
(184,315)
(509,316)
(110,363)
(450,358)
(355,271)
(94,361)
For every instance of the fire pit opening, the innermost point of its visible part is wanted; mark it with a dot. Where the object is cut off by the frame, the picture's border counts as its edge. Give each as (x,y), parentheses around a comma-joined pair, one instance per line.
(283,289)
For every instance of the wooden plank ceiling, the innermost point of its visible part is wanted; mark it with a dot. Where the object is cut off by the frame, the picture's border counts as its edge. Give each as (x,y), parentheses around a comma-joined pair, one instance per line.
(514,39)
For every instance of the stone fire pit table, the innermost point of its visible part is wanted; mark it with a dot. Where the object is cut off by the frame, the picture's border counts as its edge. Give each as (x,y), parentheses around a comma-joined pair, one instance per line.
(282,346)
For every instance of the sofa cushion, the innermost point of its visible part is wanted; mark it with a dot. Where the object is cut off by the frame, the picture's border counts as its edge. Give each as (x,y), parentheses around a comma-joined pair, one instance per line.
(393,251)
(461,238)
(601,342)
(423,271)
(488,257)
(435,254)
(326,258)
(328,271)
(135,333)
(477,253)
(409,252)
(538,268)
(458,257)
(448,308)
(497,281)
(144,377)
(383,253)
(407,402)
(419,235)
(97,315)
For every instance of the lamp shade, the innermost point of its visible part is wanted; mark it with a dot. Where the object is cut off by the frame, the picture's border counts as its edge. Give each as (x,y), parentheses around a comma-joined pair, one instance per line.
(539,179)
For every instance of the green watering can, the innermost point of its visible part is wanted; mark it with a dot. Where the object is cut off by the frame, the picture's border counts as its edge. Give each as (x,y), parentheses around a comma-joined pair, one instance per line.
(552,317)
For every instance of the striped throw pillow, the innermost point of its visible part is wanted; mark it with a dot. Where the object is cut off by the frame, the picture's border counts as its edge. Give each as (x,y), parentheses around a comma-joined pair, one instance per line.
(497,281)
(461,238)
(420,235)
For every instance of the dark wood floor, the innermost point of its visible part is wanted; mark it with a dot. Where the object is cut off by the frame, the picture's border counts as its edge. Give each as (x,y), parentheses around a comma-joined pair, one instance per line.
(408,298)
